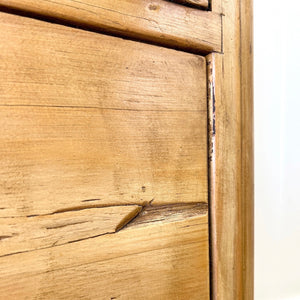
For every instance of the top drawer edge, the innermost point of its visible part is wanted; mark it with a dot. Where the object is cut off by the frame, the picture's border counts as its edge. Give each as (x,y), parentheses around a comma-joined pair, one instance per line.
(157,22)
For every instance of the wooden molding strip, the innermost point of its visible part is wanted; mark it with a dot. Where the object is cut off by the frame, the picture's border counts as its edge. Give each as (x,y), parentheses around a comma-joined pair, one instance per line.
(231,155)
(163,23)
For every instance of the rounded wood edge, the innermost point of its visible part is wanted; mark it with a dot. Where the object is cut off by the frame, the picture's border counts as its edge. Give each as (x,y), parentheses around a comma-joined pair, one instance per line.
(230,105)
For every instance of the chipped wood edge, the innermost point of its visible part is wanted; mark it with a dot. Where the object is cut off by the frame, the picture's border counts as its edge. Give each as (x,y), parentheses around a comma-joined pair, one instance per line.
(230,125)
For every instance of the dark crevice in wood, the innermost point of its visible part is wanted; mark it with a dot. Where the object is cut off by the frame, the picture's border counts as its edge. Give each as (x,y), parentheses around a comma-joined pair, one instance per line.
(91,206)
(209,5)
(191,5)
(3,237)
(90,200)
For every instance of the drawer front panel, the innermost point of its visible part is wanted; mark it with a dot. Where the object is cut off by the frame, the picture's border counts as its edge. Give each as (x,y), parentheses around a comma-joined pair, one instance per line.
(85,116)
(103,166)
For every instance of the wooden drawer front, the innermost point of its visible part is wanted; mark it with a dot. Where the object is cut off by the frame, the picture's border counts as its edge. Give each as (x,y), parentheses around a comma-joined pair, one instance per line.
(103,166)
(92,118)
(161,22)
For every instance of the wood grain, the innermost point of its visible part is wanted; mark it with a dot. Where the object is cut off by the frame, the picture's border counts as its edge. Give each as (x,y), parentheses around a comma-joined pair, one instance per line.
(195,3)
(231,155)
(217,7)
(80,120)
(23,234)
(53,65)
(247,145)
(160,22)
(163,257)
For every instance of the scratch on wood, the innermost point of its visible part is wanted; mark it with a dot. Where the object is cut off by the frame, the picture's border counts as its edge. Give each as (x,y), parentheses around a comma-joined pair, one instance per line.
(65,225)
(90,200)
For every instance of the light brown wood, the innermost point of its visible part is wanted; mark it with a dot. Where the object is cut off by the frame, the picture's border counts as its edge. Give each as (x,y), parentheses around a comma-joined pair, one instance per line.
(81,121)
(159,256)
(159,22)
(90,122)
(196,3)
(231,155)
(247,146)
(23,234)
(52,65)
(217,7)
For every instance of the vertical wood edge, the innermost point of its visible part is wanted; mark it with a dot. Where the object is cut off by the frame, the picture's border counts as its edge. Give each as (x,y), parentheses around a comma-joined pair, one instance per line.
(210,63)
(230,146)
(247,158)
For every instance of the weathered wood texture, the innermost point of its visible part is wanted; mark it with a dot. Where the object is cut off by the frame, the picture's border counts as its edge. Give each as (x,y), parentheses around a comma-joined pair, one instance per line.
(162,254)
(22,234)
(159,22)
(195,3)
(85,116)
(231,154)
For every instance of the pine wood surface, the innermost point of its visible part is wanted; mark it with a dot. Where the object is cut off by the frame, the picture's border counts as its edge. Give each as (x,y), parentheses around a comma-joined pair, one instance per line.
(162,254)
(82,122)
(231,154)
(230,139)
(22,234)
(160,22)
(94,148)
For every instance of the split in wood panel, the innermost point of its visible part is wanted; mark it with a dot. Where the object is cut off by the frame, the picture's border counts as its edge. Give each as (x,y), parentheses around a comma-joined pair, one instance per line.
(23,234)
(161,254)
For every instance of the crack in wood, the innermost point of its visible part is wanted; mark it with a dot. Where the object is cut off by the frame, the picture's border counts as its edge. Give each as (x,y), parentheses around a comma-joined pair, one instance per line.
(27,234)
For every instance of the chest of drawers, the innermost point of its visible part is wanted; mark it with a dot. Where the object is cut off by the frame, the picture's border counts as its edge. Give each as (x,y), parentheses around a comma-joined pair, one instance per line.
(126,149)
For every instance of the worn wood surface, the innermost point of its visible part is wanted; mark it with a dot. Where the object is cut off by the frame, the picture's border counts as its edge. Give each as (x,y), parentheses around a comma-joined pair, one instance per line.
(195,3)
(231,154)
(22,234)
(161,254)
(95,90)
(160,22)
(80,121)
